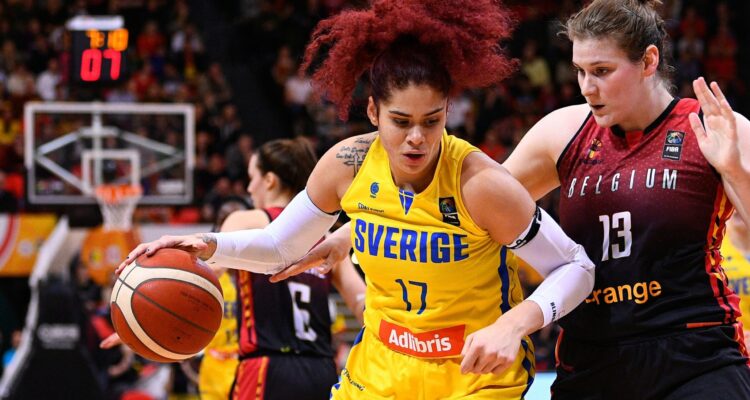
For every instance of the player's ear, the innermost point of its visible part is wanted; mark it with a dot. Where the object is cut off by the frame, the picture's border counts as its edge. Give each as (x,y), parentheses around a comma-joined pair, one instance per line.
(650,60)
(271,180)
(372,111)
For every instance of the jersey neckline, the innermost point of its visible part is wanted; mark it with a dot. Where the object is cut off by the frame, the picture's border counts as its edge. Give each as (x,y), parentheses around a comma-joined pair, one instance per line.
(672,104)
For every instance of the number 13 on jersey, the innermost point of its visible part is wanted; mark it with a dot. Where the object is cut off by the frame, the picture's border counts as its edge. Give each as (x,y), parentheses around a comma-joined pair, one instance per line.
(620,224)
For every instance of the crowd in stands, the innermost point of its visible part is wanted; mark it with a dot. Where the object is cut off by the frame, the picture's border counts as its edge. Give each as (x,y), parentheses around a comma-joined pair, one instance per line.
(170,62)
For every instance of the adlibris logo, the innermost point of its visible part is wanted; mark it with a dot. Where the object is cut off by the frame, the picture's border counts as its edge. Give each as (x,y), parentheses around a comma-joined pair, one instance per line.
(445,342)
(406,198)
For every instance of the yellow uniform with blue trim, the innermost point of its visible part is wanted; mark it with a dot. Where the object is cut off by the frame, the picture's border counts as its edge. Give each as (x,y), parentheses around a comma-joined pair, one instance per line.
(737,268)
(220,358)
(433,277)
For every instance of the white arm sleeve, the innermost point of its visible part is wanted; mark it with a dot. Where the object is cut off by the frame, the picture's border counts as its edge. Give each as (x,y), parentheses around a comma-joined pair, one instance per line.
(568,271)
(285,240)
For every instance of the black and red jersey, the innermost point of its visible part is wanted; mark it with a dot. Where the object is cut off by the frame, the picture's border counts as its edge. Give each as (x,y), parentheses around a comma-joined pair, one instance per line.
(650,212)
(288,317)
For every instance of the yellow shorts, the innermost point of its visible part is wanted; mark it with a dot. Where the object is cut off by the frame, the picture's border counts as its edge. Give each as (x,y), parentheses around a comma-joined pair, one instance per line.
(216,376)
(373,371)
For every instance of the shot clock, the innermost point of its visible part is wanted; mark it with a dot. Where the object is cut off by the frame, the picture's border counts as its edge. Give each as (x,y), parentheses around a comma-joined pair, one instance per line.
(98,49)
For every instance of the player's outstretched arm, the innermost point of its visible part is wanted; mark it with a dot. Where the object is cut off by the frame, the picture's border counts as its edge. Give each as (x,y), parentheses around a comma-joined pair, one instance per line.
(517,222)
(302,223)
(202,245)
(724,139)
(341,164)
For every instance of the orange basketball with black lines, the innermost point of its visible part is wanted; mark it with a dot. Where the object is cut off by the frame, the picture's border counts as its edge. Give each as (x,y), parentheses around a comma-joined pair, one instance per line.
(167,307)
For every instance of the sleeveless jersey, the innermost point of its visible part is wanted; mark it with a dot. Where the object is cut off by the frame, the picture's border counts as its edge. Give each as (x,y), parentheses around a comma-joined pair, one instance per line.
(289,317)
(737,267)
(433,276)
(650,212)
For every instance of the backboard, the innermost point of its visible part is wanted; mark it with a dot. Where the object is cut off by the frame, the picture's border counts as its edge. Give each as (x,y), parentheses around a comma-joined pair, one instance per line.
(71,148)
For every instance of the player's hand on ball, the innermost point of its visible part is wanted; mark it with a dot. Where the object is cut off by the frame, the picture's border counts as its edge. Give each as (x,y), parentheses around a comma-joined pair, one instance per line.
(490,350)
(202,245)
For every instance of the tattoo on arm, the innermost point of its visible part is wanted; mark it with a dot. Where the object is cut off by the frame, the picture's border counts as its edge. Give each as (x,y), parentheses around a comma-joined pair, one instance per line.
(210,240)
(354,156)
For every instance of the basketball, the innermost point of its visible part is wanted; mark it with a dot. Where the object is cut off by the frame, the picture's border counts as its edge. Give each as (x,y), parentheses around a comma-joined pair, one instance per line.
(167,307)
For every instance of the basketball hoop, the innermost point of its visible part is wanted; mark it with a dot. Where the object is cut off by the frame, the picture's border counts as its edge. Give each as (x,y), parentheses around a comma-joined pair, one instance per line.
(117,203)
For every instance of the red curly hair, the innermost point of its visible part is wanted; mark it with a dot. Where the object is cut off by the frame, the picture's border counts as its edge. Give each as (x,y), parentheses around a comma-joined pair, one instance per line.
(448,44)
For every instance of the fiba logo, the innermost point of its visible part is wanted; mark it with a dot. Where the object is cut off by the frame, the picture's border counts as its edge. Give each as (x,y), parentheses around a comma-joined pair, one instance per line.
(374,189)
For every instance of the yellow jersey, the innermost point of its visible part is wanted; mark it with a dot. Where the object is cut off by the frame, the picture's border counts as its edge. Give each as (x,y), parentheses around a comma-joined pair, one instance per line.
(220,358)
(433,276)
(737,268)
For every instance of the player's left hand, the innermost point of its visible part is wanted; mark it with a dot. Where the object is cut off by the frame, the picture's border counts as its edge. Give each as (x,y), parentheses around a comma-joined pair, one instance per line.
(334,249)
(717,134)
(490,350)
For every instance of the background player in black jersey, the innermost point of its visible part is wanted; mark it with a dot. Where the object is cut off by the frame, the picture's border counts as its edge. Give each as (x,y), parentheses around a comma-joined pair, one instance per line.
(284,329)
(649,206)
(271,354)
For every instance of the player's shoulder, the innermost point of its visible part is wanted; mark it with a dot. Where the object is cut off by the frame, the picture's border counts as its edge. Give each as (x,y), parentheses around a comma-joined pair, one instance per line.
(563,119)
(554,131)
(345,158)
(480,173)
(336,170)
(358,143)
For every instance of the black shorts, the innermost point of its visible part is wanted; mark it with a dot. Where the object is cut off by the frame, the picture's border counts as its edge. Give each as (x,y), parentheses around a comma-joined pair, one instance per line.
(702,363)
(284,377)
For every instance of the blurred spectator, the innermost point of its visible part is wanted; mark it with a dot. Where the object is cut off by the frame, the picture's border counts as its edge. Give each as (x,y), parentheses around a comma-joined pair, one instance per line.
(53,15)
(187,48)
(215,198)
(692,22)
(721,61)
(238,157)
(228,124)
(297,95)
(284,67)
(534,66)
(9,57)
(492,144)
(216,83)
(460,111)
(10,127)
(125,93)
(687,66)
(144,79)
(691,42)
(171,80)
(21,84)
(149,41)
(46,83)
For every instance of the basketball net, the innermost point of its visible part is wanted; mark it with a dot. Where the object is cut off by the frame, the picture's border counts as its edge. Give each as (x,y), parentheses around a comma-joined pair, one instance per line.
(117,203)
